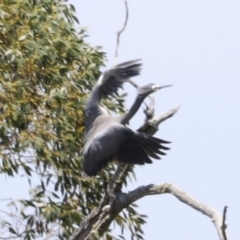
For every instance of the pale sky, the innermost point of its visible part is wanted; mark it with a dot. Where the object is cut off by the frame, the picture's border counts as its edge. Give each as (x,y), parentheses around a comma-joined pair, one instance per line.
(194,45)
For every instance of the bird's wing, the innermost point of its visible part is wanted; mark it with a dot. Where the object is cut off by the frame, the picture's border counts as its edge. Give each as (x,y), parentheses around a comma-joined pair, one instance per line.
(107,85)
(140,147)
(113,78)
(120,143)
(101,147)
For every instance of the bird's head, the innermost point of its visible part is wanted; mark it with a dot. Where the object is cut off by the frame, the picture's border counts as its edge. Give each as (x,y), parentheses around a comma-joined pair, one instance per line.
(151,88)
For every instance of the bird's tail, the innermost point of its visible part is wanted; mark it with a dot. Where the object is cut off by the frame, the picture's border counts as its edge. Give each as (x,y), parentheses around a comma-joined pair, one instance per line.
(140,148)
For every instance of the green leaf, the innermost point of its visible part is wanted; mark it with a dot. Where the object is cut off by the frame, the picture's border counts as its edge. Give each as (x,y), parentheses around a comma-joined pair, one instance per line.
(23,37)
(11,230)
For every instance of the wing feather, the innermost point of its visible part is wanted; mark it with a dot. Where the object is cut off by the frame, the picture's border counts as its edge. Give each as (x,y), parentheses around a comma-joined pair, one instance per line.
(102,147)
(114,78)
(107,85)
(113,141)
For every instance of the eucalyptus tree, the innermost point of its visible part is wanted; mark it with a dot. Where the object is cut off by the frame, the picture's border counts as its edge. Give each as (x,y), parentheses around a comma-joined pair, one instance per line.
(46,73)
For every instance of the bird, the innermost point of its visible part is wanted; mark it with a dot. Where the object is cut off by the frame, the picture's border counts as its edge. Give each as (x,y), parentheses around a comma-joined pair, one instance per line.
(106,137)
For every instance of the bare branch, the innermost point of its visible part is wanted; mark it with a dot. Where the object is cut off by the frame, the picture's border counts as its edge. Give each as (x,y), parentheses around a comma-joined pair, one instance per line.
(120,32)
(116,181)
(183,197)
(166,115)
(151,126)
(149,111)
(224,225)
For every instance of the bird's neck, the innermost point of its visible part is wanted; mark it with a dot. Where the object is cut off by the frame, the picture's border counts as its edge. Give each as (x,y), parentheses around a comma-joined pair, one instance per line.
(92,107)
(124,119)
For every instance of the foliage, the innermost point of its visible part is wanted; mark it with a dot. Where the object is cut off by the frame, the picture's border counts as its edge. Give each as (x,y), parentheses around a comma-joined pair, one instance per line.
(46,70)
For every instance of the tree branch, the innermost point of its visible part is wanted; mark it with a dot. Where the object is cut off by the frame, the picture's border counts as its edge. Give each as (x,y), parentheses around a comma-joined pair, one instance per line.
(150,108)
(151,125)
(123,200)
(115,184)
(217,219)
(120,32)
(224,225)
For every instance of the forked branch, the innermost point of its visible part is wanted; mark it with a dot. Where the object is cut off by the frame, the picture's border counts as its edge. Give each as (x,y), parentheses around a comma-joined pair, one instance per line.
(217,219)
(151,124)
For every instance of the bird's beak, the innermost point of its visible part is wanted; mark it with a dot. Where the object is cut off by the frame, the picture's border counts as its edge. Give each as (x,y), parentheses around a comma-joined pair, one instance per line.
(164,86)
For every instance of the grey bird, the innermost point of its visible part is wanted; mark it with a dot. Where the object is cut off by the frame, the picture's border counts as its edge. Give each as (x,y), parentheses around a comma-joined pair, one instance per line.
(106,137)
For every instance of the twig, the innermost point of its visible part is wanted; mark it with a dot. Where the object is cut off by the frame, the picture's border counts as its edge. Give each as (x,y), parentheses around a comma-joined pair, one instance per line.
(120,32)
(224,225)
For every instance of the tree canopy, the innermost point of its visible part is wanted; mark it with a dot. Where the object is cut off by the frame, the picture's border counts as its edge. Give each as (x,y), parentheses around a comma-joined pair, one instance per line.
(46,70)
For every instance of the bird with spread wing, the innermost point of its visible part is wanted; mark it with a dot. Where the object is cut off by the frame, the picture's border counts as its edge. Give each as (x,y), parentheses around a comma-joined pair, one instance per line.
(106,137)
